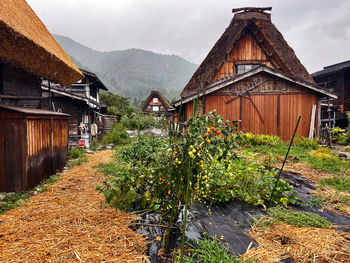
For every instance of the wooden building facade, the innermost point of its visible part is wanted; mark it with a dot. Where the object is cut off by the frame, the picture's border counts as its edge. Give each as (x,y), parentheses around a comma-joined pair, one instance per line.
(33,142)
(81,101)
(157,104)
(252,75)
(336,79)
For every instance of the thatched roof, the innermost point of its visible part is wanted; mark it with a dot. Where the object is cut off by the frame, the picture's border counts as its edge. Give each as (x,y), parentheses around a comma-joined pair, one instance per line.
(26,43)
(259,24)
(159,95)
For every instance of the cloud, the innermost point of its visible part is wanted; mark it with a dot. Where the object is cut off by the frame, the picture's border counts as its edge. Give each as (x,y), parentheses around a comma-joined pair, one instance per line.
(318,30)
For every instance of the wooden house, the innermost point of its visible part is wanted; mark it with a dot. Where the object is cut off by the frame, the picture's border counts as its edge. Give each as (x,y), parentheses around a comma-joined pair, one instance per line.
(33,142)
(252,74)
(81,101)
(336,79)
(157,104)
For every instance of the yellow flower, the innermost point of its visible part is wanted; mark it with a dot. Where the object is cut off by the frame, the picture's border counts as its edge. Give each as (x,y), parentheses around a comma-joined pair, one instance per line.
(222,237)
(194,151)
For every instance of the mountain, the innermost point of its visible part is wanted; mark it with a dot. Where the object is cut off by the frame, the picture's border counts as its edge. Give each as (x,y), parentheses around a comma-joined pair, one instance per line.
(132,73)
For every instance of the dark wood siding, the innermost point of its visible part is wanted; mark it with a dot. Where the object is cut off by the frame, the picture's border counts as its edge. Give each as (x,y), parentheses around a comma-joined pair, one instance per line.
(32,148)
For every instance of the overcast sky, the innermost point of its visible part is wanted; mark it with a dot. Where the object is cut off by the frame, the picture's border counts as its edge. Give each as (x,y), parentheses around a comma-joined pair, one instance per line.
(317,30)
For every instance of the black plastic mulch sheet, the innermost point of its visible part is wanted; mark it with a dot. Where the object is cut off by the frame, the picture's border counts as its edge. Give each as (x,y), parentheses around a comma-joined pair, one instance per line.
(305,189)
(227,222)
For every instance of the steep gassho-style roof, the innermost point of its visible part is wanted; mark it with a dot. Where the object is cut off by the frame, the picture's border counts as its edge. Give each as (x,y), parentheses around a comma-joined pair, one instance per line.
(258,24)
(26,43)
(159,95)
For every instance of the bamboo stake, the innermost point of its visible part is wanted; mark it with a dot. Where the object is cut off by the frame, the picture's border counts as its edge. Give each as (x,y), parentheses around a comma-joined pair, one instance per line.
(285,159)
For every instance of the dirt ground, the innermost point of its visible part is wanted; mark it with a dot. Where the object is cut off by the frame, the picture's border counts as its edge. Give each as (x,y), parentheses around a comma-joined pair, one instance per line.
(67,223)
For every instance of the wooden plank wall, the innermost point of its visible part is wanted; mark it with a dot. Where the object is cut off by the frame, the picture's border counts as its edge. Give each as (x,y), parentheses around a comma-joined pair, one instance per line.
(247,51)
(12,143)
(39,154)
(279,112)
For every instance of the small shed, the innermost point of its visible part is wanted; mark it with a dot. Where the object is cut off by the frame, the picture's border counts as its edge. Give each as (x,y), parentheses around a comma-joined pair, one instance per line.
(33,146)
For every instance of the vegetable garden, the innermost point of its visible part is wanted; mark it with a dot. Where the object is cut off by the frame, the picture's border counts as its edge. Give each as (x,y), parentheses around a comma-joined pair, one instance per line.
(203,161)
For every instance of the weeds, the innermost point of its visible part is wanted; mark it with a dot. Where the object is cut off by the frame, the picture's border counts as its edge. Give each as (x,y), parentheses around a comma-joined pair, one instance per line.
(117,135)
(341,183)
(209,250)
(298,218)
(77,155)
(13,200)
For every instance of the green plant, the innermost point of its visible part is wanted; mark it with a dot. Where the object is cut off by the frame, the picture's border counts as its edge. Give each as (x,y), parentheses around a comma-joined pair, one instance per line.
(324,154)
(76,152)
(258,139)
(13,200)
(141,120)
(209,250)
(117,135)
(298,218)
(307,143)
(347,148)
(340,136)
(94,143)
(339,183)
(147,149)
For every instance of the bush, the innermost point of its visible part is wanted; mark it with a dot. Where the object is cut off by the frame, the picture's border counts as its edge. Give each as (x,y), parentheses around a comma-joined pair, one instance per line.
(117,135)
(347,148)
(307,143)
(258,139)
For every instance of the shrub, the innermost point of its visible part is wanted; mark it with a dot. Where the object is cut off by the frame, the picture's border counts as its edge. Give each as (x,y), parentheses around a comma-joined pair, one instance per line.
(307,143)
(347,148)
(117,135)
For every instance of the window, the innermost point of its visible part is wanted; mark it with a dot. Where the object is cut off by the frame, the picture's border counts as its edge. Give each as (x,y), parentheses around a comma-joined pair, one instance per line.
(242,68)
(155,100)
(155,108)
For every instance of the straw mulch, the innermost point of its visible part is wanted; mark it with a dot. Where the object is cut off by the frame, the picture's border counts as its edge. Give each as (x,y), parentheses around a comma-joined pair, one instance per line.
(68,224)
(301,244)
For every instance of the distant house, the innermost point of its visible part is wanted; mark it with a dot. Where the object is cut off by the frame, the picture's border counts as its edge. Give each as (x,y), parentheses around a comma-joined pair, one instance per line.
(80,100)
(157,104)
(336,79)
(33,141)
(252,74)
